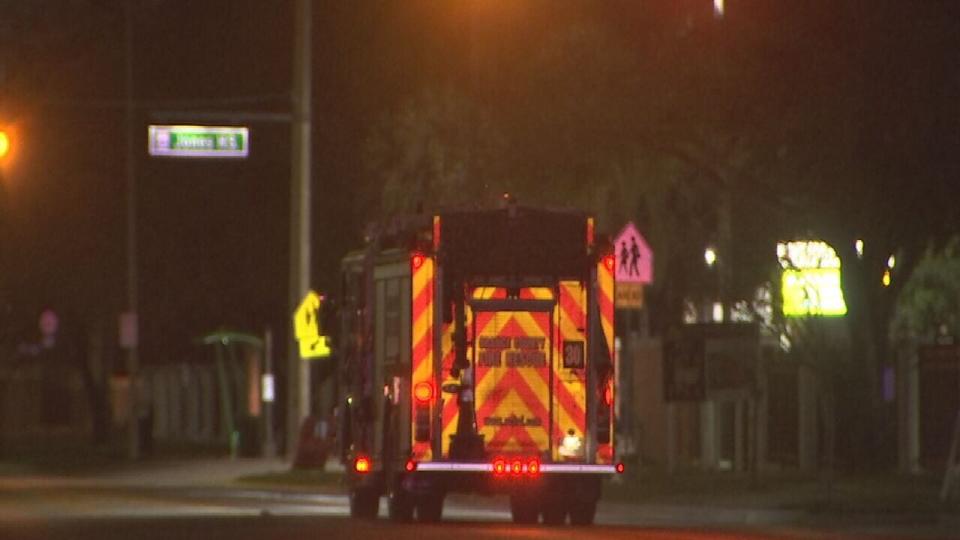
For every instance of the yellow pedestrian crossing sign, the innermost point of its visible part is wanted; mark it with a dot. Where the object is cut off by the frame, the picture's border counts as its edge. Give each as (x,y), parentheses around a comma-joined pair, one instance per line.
(306,326)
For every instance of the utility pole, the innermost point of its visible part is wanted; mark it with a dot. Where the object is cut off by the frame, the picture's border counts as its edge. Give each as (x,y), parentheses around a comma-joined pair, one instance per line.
(298,371)
(129,321)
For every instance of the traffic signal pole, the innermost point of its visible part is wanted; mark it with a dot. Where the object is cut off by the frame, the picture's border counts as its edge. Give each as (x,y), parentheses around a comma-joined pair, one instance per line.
(298,371)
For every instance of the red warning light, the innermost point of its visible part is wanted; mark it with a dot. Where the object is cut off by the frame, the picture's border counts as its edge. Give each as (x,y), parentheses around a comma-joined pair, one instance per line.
(516,467)
(608,394)
(411,465)
(499,466)
(416,260)
(609,262)
(620,468)
(362,465)
(423,392)
(533,467)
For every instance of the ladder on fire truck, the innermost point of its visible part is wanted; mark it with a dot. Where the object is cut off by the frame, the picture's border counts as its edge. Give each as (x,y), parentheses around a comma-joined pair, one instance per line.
(952,476)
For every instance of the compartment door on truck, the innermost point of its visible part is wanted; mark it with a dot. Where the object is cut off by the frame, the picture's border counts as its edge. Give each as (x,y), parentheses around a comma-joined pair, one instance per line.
(513,353)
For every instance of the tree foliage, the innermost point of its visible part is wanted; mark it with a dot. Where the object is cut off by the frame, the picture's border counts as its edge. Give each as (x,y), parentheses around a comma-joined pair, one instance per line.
(929,304)
(438,149)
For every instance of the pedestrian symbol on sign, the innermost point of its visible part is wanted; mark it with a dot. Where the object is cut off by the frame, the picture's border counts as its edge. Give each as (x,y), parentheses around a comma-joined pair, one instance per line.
(635,264)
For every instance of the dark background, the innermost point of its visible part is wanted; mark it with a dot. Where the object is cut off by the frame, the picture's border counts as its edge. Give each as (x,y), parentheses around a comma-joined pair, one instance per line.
(213,235)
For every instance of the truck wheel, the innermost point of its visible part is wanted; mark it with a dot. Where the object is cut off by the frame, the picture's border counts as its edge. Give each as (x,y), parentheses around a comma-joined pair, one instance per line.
(400,505)
(430,508)
(583,512)
(364,503)
(523,509)
(554,513)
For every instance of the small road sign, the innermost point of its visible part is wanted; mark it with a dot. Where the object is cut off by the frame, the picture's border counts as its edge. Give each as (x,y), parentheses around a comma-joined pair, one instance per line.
(629,296)
(199,141)
(634,257)
(306,325)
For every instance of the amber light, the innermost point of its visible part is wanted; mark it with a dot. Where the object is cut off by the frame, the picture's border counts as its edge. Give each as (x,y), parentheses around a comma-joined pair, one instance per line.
(516,467)
(499,466)
(533,467)
(416,260)
(423,392)
(4,144)
(362,465)
(609,262)
(411,465)
(608,394)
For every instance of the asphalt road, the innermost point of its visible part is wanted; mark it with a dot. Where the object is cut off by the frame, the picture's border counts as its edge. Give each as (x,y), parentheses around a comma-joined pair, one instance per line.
(55,508)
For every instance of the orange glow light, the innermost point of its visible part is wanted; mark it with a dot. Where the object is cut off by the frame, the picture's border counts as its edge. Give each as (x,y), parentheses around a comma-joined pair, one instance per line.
(362,465)
(517,467)
(609,262)
(417,260)
(423,392)
(608,394)
(499,466)
(533,467)
(4,144)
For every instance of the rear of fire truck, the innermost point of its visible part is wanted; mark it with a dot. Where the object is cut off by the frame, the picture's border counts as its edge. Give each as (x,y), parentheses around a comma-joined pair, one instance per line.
(477,355)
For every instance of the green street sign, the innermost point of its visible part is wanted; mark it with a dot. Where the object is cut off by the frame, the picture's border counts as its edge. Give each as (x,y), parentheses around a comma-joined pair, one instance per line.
(198,141)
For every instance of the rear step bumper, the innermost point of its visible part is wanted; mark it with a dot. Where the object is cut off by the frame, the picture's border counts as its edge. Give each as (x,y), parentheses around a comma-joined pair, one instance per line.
(545,468)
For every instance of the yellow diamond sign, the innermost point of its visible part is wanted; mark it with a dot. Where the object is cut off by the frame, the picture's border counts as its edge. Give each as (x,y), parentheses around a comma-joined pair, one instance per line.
(306,326)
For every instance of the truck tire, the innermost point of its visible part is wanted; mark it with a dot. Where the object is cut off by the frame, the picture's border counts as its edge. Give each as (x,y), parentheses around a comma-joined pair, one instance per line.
(364,503)
(583,512)
(400,505)
(430,508)
(523,510)
(554,513)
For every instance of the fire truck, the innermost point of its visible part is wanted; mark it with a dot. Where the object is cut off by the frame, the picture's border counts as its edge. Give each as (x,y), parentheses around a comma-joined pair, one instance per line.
(477,355)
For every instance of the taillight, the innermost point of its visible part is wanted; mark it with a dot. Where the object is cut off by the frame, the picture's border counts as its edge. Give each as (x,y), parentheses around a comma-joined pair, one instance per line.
(516,466)
(423,392)
(609,262)
(411,465)
(605,414)
(362,465)
(416,260)
(620,468)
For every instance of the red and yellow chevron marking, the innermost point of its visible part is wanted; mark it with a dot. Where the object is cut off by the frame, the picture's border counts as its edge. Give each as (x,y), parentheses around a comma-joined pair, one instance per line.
(605,296)
(513,401)
(499,293)
(422,339)
(451,410)
(570,391)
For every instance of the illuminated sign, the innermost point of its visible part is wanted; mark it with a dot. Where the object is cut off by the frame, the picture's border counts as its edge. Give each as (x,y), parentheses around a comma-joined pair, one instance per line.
(198,141)
(810,282)
(306,326)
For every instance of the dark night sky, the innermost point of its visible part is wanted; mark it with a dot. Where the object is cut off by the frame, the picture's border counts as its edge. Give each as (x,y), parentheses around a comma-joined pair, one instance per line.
(213,234)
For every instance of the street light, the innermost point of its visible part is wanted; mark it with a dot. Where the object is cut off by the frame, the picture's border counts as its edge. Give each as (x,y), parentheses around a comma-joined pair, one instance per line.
(710,256)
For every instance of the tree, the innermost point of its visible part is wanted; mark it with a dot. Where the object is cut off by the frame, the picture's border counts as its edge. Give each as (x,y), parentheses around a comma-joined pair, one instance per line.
(929,304)
(438,149)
